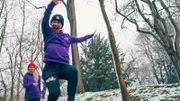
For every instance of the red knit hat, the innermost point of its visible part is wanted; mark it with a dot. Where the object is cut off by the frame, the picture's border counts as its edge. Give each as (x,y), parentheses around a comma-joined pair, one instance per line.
(31,64)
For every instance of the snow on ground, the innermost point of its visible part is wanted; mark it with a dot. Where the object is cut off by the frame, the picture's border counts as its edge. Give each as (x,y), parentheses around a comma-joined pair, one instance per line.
(156,93)
(140,93)
(111,95)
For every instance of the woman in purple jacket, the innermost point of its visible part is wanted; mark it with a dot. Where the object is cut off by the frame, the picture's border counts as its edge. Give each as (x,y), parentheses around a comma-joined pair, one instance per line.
(56,54)
(31,83)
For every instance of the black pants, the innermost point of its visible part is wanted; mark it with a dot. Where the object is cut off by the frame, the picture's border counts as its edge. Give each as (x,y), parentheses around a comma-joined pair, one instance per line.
(34,99)
(51,74)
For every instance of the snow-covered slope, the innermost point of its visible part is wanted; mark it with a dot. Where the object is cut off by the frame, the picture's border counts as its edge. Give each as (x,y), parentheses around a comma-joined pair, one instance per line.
(141,93)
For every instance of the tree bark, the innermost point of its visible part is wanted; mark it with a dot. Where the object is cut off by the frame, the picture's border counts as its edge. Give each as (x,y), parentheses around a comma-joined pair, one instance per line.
(125,94)
(75,53)
(4,25)
(4,87)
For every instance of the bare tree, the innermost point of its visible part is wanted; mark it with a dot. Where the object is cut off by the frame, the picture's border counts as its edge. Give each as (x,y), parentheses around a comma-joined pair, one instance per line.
(4,86)
(20,41)
(21,45)
(12,63)
(125,94)
(156,59)
(146,49)
(128,67)
(3,8)
(160,17)
(70,8)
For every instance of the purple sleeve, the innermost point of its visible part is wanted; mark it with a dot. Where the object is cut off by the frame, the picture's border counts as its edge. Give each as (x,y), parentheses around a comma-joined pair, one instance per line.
(45,20)
(74,39)
(26,84)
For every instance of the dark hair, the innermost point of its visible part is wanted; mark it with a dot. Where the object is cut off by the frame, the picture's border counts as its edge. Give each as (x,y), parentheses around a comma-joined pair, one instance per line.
(59,18)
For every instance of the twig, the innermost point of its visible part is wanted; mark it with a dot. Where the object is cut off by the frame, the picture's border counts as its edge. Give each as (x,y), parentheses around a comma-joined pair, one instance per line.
(35,5)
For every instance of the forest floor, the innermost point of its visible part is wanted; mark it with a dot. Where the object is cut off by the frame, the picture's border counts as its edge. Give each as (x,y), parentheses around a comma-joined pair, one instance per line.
(170,92)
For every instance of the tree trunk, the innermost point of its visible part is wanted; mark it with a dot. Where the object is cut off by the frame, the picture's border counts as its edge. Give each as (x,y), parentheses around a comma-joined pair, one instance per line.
(4,87)
(75,53)
(12,90)
(3,34)
(4,25)
(176,61)
(20,54)
(125,94)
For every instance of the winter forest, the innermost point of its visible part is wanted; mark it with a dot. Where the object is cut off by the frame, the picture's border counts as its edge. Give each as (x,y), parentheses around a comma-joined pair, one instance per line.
(152,58)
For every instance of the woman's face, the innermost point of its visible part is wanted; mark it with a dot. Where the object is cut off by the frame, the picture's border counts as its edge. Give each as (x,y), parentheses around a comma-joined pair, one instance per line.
(56,25)
(31,69)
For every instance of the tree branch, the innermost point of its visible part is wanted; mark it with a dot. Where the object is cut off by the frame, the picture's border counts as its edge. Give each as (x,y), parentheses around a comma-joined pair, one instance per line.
(35,5)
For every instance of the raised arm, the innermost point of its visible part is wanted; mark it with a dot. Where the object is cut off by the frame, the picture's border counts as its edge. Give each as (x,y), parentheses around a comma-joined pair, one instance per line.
(74,39)
(46,17)
(81,39)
